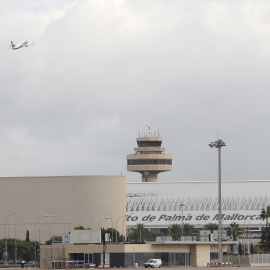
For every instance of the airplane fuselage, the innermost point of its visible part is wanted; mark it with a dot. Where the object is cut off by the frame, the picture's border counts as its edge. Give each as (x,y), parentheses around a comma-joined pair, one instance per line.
(20,45)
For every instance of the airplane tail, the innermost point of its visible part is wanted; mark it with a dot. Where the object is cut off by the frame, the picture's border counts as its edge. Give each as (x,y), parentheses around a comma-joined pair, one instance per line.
(12,44)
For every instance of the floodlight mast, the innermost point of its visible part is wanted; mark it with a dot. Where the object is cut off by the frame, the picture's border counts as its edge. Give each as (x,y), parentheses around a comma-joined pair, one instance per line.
(218,144)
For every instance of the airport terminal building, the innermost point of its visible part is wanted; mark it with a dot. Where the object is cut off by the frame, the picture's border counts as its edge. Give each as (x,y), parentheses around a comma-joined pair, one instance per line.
(158,205)
(48,206)
(54,205)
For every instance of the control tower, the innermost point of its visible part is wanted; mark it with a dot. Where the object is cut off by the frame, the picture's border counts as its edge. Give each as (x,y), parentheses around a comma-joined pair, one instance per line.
(149,158)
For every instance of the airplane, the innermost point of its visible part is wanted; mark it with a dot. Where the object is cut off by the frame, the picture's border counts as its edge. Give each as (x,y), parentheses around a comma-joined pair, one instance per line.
(20,45)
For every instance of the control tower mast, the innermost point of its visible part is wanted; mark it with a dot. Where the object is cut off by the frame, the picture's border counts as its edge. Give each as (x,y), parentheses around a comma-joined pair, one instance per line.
(149,159)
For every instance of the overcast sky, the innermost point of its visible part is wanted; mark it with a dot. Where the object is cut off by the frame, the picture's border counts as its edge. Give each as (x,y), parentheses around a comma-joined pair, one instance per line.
(100,71)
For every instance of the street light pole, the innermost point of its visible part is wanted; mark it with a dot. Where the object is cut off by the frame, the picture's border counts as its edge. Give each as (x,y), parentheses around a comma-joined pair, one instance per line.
(39,235)
(170,227)
(100,228)
(103,242)
(116,225)
(218,144)
(36,237)
(244,238)
(123,237)
(50,238)
(198,225)
(182,205)
(141,230)
(15,213)
(111,220)
(8,227)
(15,247)
(249,237)
(102,220)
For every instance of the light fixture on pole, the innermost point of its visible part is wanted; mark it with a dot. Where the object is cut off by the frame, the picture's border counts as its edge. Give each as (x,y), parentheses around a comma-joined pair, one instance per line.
(15,213)
(36,237)
(218,144)
(111,220)
(100,222)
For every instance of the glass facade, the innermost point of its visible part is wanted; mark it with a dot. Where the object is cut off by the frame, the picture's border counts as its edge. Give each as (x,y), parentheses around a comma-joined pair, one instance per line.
(147,144)
(128,260)
(88,258)
(149,161)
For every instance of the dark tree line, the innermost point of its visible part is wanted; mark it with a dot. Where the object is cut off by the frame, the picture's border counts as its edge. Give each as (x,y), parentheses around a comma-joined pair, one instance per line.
(25,249)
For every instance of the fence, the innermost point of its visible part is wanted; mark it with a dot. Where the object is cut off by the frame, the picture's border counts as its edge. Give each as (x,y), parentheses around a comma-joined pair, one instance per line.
(237,259)
(260,259)
(248,260)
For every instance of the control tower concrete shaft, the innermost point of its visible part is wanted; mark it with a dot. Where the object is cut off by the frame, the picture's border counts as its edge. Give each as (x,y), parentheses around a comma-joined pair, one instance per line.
(149,158)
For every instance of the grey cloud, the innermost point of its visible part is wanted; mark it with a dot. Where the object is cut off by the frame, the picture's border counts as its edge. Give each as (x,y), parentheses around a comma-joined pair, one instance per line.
(100,70)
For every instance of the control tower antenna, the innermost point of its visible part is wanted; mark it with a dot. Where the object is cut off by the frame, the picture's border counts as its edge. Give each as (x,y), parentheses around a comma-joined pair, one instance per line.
(149,158)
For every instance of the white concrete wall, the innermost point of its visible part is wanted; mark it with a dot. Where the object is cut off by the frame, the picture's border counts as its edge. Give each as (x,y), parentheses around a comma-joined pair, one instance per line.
(74,200)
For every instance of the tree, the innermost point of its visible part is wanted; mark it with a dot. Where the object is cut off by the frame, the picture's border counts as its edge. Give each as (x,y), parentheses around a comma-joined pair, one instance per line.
(139,233)
(240,249)
(48,242)
(265,214)
(27,239)
(211,227)
(110,231)
(265,239)
(233,232)
(25,249)
(257,249)
(79,228)
(187,229)
(251,248)
(175,231)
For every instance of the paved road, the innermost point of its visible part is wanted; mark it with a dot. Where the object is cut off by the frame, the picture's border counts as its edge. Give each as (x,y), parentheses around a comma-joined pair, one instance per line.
(184,268)
(207,268)
(197,268)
